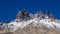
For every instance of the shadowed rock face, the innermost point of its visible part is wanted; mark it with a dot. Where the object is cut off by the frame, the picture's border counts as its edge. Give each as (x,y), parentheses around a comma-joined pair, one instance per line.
(23,15)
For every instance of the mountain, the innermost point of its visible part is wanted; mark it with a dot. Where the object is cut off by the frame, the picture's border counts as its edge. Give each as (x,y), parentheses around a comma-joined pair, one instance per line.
(28,23)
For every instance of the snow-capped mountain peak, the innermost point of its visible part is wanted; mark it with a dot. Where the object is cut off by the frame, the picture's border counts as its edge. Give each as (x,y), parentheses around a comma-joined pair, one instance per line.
(25,20)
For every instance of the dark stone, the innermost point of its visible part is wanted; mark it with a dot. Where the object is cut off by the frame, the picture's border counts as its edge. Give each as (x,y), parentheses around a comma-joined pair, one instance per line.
(23,14)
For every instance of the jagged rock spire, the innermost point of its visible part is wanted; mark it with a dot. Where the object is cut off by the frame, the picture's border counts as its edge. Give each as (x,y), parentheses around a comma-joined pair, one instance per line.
(47,13)
(23,14)
(31,15)
(39,15)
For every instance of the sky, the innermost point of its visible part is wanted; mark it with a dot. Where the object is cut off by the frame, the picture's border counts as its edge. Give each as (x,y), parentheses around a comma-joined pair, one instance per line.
(9,8)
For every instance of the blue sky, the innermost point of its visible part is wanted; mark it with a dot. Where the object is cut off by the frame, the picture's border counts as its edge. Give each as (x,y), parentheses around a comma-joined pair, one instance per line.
(9,8)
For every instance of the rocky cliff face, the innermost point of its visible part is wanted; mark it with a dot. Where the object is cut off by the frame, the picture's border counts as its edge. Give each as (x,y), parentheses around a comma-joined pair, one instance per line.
(28,23)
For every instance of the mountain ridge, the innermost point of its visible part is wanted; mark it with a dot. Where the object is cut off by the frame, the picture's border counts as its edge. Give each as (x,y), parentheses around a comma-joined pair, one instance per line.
(26,20)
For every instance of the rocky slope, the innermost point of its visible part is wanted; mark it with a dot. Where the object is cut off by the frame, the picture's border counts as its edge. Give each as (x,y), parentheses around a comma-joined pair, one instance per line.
(27,23)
